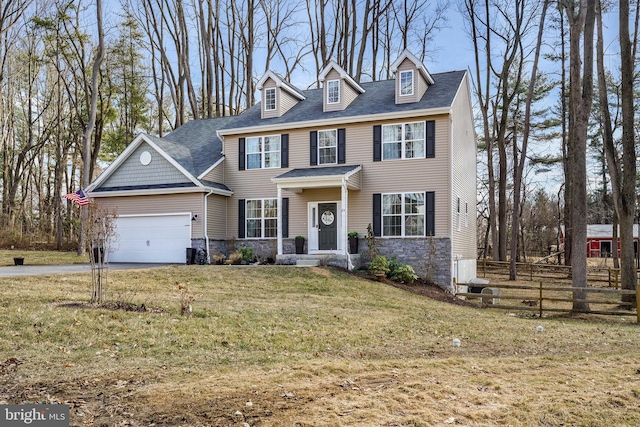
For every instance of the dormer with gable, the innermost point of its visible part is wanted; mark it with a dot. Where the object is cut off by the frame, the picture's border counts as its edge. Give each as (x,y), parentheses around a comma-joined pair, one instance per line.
(339,89)
(412,78)
(278,95)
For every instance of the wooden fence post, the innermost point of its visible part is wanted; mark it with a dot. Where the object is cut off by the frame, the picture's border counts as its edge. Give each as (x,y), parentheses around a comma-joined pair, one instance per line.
(617,273)
(540,302)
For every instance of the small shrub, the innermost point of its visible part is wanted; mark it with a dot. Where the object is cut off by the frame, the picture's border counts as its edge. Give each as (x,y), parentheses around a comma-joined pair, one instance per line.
(399,272)
(379,265)
(352,234)
(235,258)
(219,259)
(248,255)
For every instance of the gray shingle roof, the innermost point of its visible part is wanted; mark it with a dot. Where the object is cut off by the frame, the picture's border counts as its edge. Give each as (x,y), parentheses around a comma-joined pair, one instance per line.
(317,172)
(194,145)
(379,98)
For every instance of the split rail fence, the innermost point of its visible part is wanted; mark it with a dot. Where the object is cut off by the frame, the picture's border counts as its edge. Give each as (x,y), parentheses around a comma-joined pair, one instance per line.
(550,290)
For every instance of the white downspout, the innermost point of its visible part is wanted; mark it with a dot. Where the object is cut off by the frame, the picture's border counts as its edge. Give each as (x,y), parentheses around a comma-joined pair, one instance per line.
(206,228)
(343,236)
(279,220)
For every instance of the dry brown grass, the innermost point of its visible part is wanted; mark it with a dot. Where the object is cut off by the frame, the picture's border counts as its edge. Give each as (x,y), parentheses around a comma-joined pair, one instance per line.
(271,346)
(41,257)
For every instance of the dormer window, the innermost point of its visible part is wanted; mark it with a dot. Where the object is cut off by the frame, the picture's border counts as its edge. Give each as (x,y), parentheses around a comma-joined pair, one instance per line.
(270,99)
(406,82)
(333,91)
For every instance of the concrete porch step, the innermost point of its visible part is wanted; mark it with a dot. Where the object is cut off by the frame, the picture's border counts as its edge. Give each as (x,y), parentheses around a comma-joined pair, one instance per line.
(307,262)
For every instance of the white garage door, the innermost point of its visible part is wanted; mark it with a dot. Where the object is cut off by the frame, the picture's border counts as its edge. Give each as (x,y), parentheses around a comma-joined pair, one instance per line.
(154,238)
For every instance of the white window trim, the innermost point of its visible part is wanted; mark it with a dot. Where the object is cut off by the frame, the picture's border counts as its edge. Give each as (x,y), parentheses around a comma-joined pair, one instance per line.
(275,102)
(412,83)
(262,219)
(403,141)
(335,131)
(262,152)
(403,214)
(329,82)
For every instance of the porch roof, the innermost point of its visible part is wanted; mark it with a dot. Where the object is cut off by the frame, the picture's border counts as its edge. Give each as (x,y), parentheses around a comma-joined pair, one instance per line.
(319,177)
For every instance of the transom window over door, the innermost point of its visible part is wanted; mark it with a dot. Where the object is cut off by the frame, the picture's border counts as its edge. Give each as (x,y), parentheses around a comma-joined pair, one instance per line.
(406,82)
(333,91)
(403,214)
(261,218)
(270,99)
(327,147)
(403,141)
(263,152)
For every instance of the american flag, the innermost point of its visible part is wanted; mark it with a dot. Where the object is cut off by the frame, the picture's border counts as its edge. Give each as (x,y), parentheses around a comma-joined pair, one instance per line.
(79,198)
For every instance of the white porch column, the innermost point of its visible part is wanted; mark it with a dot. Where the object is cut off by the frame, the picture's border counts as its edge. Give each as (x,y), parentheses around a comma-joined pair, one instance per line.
(279,230)
(345,209)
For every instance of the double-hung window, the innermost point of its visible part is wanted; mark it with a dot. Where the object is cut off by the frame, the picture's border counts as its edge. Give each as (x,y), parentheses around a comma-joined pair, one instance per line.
(406,82)
(270,99)
(403,141)
(403,214)
(263,152)
(261,218)
(327,147)
(333,91)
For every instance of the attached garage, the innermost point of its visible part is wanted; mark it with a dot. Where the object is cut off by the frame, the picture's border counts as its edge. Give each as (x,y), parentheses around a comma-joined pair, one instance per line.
(161,238)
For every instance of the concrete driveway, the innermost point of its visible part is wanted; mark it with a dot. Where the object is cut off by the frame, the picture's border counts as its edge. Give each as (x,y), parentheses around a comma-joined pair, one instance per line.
(38,270)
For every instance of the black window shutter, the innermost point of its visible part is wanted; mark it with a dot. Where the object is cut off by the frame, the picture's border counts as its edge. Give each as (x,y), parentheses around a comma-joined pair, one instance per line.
(285,217)
(241,154)
(313,148)
(241,218)
(430,226)
(431,138)
(284,150)
(341,145)
(377,143)
(377,214)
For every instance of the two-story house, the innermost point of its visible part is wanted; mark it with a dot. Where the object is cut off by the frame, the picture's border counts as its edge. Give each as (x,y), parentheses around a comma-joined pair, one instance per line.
(399,155)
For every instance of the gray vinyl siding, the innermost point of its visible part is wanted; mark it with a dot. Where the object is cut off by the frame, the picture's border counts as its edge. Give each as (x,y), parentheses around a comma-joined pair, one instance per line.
(215,175)
(413,175)
(159,171)
(464,242)
(287,101)
(161,204)
(350,94)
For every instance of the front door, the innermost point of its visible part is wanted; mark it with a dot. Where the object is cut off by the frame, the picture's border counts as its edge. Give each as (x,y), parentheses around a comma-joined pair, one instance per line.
(327,226)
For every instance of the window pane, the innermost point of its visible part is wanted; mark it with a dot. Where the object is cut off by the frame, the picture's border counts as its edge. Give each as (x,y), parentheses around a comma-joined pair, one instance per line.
(414,130)
(414,203)
(392,225)
(254,209)
(391,204)
(327,156)
(254,228)
(392,151)
(270,228)
(333,92)
(327,138)
(272,160)
(406,83)
(271,208)
(270,99)
(272,143)
(253,145)
(391,133)
(414,149)
(414,225)
(254,161)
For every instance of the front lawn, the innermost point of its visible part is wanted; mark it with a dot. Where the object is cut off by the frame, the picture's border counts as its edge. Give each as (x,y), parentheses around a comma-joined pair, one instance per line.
(41,257)
(274,345)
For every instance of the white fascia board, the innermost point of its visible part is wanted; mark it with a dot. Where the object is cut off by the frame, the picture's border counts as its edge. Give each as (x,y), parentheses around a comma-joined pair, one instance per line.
(158,191)
(279,83)
(343,75)
(336,121)
(212,167)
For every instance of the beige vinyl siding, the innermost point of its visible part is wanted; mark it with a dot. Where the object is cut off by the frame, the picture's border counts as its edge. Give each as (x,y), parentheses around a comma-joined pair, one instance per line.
(215,175)
(162,204)
(159,171)
(287,101)
(464,242)
(217,216)
(350,94)
(411,175)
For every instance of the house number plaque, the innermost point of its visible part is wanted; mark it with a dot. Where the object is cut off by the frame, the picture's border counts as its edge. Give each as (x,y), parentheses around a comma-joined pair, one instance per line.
(327,217)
